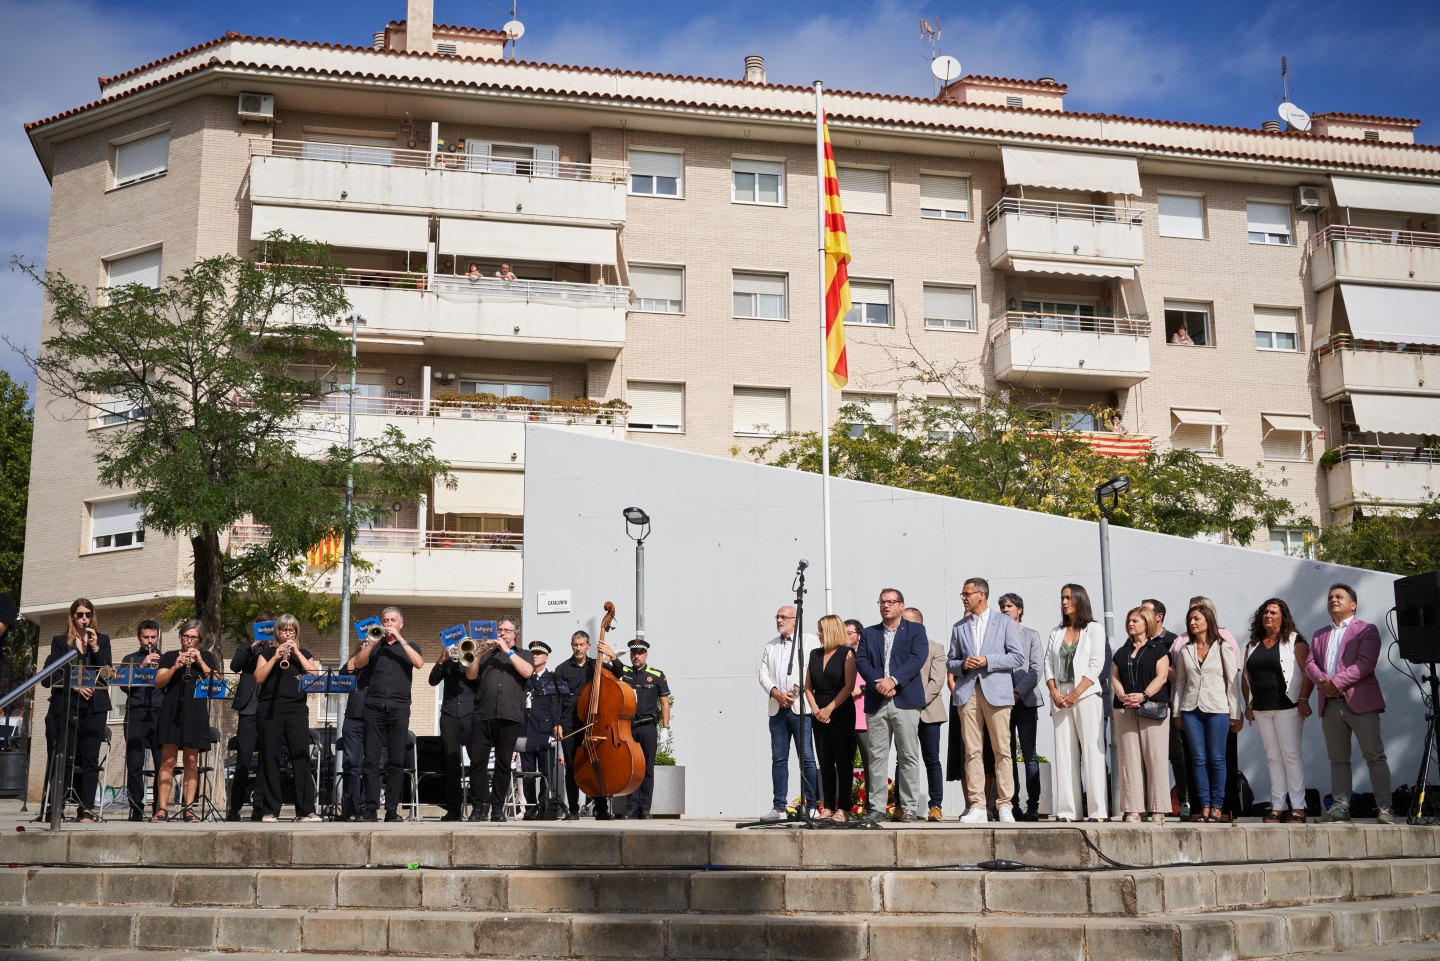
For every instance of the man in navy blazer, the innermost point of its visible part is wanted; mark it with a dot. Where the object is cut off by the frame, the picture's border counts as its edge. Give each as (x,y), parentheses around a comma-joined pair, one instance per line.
(891,657)
(984,649)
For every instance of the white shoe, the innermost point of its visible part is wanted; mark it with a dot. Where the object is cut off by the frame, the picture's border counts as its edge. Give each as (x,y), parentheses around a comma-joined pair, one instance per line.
(1007,816)
(975,816)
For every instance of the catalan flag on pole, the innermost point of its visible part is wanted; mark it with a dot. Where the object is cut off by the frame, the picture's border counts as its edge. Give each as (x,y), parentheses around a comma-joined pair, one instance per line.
(326,553)
(837,272)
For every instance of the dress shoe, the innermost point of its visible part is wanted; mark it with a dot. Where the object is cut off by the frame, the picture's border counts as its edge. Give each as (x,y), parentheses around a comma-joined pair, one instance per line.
(571,816)
(623,816)
(370,816)
(392,817)
(532,814)
(451,816)
(480,812)
(604,816)
(230,816)
(498,813)
(645,815)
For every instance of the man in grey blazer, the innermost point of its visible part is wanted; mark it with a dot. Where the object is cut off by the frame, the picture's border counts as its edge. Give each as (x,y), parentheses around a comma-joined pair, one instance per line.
(984,649)
(1025,713)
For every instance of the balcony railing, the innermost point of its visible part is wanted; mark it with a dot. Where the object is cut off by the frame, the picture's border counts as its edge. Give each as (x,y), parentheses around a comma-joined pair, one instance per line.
(1391,455)
(339,404)
(476,163)
(1136,325)
(401,539)
(1370,235)
(492,289)
(1064,211)
(1345,342)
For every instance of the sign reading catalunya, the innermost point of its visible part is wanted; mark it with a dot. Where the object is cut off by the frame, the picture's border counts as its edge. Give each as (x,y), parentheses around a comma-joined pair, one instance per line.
(553,602)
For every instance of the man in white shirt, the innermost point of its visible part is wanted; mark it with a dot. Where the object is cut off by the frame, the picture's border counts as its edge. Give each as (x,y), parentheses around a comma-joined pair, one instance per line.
(780,672)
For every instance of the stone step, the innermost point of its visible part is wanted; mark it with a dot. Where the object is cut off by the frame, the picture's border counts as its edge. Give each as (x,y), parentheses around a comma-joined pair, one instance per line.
(1104,893)
(1249,934)
(677,845)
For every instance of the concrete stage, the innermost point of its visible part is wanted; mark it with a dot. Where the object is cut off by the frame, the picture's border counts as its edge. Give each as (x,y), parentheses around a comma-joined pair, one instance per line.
(705,890)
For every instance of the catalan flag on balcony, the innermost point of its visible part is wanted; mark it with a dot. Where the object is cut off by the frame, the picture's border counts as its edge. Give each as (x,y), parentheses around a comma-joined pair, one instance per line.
(326,553)
(837,271)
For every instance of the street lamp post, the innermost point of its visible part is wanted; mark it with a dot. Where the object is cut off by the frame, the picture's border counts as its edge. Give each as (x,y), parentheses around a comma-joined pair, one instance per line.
(349,501)
(1107,498)
(637,518)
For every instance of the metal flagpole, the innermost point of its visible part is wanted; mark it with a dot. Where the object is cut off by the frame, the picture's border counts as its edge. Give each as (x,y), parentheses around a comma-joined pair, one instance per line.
(349,501)
(824,364)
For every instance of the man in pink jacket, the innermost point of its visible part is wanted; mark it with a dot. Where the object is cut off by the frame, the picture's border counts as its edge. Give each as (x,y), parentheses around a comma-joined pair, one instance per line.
(1342,660)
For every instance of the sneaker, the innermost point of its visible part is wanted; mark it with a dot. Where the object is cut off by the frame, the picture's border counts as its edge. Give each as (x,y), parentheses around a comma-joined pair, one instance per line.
(975,816)
(936,814)
(770,817)
(1007,816)
(1386,816)
(312,816)
(1336,814)
(269,819)
(908,816)
(1184,812)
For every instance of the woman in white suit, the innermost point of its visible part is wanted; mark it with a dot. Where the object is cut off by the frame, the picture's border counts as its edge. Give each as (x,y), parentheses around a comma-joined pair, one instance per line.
(1074,658)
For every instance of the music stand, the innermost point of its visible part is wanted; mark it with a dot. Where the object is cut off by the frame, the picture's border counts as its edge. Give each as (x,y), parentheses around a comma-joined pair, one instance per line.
(130,677)
(327,683)
(60,766)
(213,689)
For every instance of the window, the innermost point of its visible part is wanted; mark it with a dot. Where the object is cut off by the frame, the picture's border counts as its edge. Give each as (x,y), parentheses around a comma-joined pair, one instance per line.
(504,389)
(1060,308)
(949,308)
(880,407)
(944,198)
(1289,541)
(760,295)
(117,409)
(870,303)
(1188,324)
(1077,420)
(657,174)
(757,182)
(658,290)
(348,148)
(1268,223)
(1182,216)
(951,418)
(658,407)
(864,191)
(1276,329)
(142,159)
(1197,430)
(524,159)
(142,268)
(762,411)
(1011,100)
(115,525)
(1286,436)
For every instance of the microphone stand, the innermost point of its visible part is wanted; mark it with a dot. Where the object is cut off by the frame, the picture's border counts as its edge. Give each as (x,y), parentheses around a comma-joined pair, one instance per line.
(799,587)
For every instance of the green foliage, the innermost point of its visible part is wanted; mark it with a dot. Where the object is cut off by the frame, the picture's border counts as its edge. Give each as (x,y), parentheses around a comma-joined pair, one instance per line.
(1028,457)
(1401,541)
(17,420)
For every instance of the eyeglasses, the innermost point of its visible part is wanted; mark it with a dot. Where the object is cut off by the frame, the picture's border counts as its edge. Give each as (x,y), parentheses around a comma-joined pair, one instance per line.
(507,630)
(970,593)
(784,617)
(889,602)
(85,615)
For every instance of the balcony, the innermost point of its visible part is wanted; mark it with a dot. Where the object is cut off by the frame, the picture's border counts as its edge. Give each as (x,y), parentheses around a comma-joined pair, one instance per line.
(1369,255)
(427,567)
(489,317)
(1374,367)
(1070,352)
(292,173)
(1384,476)
(1039,237)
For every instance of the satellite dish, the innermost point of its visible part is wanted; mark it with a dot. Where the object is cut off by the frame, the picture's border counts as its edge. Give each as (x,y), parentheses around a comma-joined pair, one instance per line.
(1294,116)
(514,29)
(945,69)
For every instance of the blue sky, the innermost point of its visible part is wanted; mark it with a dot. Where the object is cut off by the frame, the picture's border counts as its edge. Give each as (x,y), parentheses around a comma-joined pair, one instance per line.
(1207,63)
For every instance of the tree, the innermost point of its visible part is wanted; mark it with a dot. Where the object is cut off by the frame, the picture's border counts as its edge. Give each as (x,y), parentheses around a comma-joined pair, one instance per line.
(17,421)
(1403,540)
(214,370)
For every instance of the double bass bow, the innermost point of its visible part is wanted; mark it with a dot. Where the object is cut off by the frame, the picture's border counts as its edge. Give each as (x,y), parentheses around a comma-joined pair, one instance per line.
(608,762)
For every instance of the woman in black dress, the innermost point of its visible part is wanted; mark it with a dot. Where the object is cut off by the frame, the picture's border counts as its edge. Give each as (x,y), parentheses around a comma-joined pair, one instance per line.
(184,719)
(89,707)
(829,683)
(284,720)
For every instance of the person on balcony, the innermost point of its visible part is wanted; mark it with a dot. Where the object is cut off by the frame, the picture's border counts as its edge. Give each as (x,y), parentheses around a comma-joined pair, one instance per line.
(1182,336)
(474,272)
(505,273)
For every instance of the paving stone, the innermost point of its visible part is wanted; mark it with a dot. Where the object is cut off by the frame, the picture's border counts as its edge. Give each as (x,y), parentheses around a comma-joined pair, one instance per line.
(1355,926)
(943,848)
(220,888)
(833,891)
(1035,893)
(340,932)
(1383,841)
(463,890)
(63,886)
(1309,930)
(27,927)
(12,884)
(760,848)
(433,933)
(104,847)
(1176,845)
(1239,886)
(933,892)
(520,936)
(324,849)
(846,849)
(1267,842)
(34,847)
(1129,844)
(1020,939)
(1331,882)
(652,893)
(1346,840)
(252,849)
(493,849)
(1205,939)
(1188,889)
(615,937)
(577,849)
(295,889)
(178,849)
(721,939)
(1427,914)
(1126,895)
(665,849)
(1371,879)
(175,930)
(1410,878)
(395,890)
(927,939)
(1398,922)
(1287,884)
(258,931)
(541,891)
(94,928)
(1258,935)
(1309,842)
(1043,847)
(1416,841)
(806,939)
(399,848)
(139,886)
(737,891)
(1221,843)
(1128,941)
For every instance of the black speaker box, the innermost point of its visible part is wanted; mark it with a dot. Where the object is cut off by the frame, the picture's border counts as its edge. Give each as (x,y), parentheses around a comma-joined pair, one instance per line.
(1417,615)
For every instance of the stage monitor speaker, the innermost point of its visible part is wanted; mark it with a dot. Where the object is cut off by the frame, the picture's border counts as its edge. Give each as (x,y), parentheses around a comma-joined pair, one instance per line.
(1417,615)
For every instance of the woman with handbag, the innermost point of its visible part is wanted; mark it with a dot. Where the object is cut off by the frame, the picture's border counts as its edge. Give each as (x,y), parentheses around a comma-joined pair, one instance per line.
(1140,678)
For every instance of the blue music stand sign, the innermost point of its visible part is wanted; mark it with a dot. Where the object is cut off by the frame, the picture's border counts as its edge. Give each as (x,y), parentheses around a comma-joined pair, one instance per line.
(483,630)
(263,631)
(452,635)
(362,626)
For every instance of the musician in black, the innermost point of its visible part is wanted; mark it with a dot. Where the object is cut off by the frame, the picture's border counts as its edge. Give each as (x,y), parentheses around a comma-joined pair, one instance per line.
(544,698)
(652,712)
(284,720)
(457,714)
(386,666)
(352,805)
(88,708)
(500,675)
(142,719)
(575,673)
(184,718)
(247,731)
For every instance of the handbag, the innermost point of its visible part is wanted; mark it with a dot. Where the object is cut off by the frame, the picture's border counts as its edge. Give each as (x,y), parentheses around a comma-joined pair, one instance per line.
(1155,710)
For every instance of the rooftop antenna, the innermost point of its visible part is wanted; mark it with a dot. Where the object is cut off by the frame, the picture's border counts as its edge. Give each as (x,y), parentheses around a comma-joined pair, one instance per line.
(513,29)
(1289,112)
(945,70)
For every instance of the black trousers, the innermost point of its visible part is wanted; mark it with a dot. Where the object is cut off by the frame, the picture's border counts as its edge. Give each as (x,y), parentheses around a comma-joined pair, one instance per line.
(1023,718)
(1185,788)
(835,757)
(353,739)
(455,735)
(246,735)
(87,732)
(648,737)
(285,729)
(569,744)
(142,734)
(930,758)
(386,726)
(544,763)
(499,736)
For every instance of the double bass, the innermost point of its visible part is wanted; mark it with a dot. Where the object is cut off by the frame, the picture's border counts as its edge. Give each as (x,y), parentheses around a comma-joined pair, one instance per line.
(608,762)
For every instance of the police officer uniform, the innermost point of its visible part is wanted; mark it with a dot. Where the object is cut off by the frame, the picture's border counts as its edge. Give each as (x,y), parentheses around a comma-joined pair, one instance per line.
(650,686)
(142,733)
(544,699)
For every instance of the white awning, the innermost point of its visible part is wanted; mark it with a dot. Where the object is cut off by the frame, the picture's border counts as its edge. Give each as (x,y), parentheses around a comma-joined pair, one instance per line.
(547,243)
(1410,198)
(343,228)
(1209,418)
(483,492)
(1396,413)
(1070,268)
(1400,315)
(1290,422)
(1071,171)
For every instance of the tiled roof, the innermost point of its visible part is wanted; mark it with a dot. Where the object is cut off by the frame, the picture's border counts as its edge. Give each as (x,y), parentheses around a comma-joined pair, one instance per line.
(1337,115)
(1046,82)
(106,81)
(454,29)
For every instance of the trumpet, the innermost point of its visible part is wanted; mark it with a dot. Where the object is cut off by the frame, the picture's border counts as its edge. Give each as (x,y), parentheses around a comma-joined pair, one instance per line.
(187,677)
(375,633)
(467,650)
(284,658)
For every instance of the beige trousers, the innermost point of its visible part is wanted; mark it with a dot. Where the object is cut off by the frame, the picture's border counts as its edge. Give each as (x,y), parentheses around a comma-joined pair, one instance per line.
(1144,746)
(974,714)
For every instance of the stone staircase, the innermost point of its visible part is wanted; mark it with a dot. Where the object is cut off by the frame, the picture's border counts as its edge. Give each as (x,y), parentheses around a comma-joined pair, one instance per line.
(674,891)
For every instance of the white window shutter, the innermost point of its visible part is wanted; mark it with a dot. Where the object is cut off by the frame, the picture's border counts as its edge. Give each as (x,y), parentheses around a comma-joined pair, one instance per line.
(762,410)
(1268,218)
(1197,437)
(944,193)
(952,307)
(1182,216)
(115,517)
(653,164)
(142,158)
(547,161)
(1284,445)
(868,292)
(142,268)
(1275,320)
(656,406)
(658,283)
(772,284)
(864,191)
(881,407)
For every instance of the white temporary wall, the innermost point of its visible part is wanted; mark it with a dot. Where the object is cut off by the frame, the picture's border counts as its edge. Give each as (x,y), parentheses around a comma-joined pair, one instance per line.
(722,554)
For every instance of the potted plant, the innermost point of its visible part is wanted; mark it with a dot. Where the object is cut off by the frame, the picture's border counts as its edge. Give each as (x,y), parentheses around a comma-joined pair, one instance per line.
(668,801)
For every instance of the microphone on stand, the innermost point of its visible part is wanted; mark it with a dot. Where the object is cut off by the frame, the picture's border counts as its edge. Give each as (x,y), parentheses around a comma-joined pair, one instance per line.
(804,563)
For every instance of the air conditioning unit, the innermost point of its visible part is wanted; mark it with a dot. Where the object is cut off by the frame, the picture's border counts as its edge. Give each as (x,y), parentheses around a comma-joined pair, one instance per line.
(257,106)
(1311,198)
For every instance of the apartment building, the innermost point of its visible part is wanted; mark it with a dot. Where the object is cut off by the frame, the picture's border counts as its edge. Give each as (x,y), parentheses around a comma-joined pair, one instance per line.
(1261,296)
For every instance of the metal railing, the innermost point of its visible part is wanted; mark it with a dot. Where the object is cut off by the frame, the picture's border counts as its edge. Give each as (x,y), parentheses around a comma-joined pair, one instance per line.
(1371,235)
(532,291)
(402,539)
(1136,325)
(558,169)
(462,409)
(1344,342)
(1064,211)
(1393,455)
(40,675)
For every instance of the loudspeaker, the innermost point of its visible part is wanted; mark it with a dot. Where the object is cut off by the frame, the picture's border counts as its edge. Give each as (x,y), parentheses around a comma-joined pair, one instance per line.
(1417,614)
